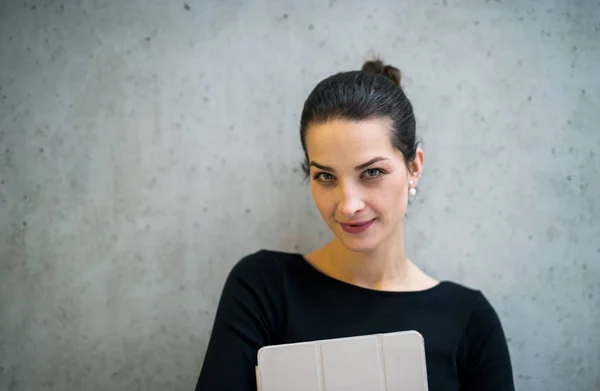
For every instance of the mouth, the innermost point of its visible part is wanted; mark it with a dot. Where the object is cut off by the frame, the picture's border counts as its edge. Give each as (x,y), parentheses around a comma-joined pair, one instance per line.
(357,228)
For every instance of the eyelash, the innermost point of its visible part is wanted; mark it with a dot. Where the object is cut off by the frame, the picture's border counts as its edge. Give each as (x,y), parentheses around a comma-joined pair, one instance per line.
(379,171)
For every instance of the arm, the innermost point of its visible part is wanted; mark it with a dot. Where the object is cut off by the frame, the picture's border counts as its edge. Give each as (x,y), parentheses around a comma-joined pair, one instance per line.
(246,320)
(487,363)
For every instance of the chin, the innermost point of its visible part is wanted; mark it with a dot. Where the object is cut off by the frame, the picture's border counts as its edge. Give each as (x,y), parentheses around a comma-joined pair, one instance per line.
(358,245)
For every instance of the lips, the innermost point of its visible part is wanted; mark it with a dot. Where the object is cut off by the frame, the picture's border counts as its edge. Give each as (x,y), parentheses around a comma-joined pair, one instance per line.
(357,228)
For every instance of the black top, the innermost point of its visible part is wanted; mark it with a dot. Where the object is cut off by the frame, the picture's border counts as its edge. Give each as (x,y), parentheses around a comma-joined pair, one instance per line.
(273,297)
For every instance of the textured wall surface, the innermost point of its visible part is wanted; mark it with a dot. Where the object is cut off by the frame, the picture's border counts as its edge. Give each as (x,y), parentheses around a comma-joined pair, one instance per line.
(145,146)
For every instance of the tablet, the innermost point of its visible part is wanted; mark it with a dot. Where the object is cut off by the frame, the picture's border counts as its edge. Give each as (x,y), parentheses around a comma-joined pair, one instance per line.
(377,362)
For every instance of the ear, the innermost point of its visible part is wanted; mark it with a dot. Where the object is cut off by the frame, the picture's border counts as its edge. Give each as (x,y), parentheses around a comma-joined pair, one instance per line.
(416,167)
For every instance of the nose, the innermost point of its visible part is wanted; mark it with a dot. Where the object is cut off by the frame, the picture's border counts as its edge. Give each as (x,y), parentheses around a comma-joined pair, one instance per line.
(350,201)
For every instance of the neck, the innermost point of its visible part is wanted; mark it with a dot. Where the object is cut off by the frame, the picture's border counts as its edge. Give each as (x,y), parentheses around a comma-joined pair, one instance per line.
(385,268)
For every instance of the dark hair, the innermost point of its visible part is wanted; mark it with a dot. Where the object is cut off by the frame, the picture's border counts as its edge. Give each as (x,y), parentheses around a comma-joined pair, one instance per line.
(374,92)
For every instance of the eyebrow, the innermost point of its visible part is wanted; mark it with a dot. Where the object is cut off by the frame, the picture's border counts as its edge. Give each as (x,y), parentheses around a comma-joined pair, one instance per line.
(357,168)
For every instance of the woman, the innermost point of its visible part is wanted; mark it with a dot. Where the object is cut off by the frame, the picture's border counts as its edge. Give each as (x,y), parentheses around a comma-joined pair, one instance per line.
(358,134)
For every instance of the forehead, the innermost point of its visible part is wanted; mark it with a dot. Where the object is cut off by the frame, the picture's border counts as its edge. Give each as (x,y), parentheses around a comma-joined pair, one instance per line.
(342,141)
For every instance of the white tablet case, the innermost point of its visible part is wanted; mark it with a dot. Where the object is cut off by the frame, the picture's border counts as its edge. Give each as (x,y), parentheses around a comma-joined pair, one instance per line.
(378,362)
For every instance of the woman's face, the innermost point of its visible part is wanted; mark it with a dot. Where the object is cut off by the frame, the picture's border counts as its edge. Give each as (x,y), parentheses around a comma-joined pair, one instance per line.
(359,181)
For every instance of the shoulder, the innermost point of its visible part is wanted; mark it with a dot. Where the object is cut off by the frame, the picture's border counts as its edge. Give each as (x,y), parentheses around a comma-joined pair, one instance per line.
(477,309)
(480,317)
(263,267)
(263,261)
(472,297)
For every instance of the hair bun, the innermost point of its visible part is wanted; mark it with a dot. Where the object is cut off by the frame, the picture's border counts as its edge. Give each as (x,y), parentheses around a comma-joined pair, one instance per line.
(377,66)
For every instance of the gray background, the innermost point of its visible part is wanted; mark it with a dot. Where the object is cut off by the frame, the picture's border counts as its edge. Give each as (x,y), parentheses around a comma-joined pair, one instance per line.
(147,145)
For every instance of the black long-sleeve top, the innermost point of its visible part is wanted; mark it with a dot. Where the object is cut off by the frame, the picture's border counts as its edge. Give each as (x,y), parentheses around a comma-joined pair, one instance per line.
(272,297)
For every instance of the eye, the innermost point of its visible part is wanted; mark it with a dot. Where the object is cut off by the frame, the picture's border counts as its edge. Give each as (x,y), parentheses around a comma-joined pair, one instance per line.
(372,173)
(323,177)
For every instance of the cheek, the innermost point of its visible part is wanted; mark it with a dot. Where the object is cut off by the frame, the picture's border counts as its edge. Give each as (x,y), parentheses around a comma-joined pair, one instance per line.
(321,198)
(392,196)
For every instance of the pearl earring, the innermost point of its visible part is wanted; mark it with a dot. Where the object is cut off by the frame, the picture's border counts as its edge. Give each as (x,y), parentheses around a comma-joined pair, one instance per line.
(412,191)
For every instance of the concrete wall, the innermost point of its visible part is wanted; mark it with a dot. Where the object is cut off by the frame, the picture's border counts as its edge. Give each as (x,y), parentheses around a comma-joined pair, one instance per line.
(147,145)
